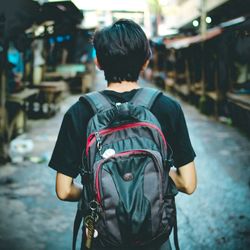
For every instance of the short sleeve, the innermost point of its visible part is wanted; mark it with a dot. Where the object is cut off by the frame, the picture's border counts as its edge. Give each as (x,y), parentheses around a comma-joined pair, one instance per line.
(182,147)
(66,155)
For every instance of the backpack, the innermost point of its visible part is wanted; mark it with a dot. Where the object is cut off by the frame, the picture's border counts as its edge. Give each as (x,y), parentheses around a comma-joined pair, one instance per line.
(128,197)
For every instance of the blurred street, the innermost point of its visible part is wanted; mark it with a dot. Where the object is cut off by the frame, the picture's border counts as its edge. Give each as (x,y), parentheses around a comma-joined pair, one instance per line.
(216,216)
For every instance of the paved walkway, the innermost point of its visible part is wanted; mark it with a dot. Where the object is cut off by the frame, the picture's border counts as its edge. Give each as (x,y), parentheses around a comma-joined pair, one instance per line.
(215,217)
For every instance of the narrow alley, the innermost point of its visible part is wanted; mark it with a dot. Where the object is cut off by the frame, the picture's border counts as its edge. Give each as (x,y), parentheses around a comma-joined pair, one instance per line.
(196,52)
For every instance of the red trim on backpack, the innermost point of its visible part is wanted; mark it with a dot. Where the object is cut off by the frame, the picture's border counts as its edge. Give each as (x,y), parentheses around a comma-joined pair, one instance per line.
(91,139)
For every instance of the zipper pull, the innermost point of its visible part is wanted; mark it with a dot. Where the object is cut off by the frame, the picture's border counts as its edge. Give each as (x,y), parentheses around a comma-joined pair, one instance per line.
(98,140)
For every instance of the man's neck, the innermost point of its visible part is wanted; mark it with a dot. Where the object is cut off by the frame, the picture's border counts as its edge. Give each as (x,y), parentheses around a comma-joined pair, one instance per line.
(122,86)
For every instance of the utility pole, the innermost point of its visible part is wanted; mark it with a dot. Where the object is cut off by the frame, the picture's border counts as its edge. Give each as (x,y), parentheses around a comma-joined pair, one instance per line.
(203,31)
(155,8)
(203,26)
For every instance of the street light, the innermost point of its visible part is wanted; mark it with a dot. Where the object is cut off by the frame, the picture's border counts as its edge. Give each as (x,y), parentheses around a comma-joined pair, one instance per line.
(208,19)
(195,23)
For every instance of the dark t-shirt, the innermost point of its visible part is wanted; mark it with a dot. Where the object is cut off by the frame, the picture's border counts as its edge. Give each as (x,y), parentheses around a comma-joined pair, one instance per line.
(67,154)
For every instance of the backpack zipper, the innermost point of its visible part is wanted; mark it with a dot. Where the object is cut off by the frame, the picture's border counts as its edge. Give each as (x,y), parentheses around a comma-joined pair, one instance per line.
(130,152)
(95,136)
(98,139)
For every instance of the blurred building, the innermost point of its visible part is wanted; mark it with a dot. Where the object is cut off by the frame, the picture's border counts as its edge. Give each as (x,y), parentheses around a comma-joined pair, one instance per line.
(102,13)
(178,13)
(202,53)
(186,15)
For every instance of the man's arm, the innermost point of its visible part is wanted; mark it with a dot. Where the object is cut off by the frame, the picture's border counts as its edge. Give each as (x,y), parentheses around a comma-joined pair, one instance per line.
(185,178)
(66,188)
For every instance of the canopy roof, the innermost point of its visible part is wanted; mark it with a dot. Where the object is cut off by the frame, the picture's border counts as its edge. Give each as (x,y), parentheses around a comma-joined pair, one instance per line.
(179,43)
(22,14)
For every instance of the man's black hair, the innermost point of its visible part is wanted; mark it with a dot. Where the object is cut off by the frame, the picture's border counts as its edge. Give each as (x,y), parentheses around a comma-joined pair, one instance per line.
(121,49)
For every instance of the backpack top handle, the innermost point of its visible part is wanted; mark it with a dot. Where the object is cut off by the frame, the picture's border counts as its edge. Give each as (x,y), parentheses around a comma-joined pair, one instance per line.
(99,102)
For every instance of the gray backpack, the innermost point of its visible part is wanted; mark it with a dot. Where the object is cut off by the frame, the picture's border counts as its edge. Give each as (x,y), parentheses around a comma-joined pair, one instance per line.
(128,197)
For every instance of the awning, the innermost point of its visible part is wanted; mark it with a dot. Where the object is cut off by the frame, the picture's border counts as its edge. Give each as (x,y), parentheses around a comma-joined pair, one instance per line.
(60,10)
(19,15)
(179,43)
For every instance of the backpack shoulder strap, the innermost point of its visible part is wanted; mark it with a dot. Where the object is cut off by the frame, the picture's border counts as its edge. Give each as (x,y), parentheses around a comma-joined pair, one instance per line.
(97,101)
(145,97)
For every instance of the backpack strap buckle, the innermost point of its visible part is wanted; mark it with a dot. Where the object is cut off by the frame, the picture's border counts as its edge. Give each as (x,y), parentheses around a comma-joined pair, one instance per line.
(170,162)
(86,175)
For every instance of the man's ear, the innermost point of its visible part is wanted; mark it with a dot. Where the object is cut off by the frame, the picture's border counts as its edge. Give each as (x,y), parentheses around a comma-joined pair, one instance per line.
(145,65)
(97,64)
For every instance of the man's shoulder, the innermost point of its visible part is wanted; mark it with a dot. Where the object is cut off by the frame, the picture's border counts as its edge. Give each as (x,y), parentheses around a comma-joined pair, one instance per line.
(166,102)
(79,108)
